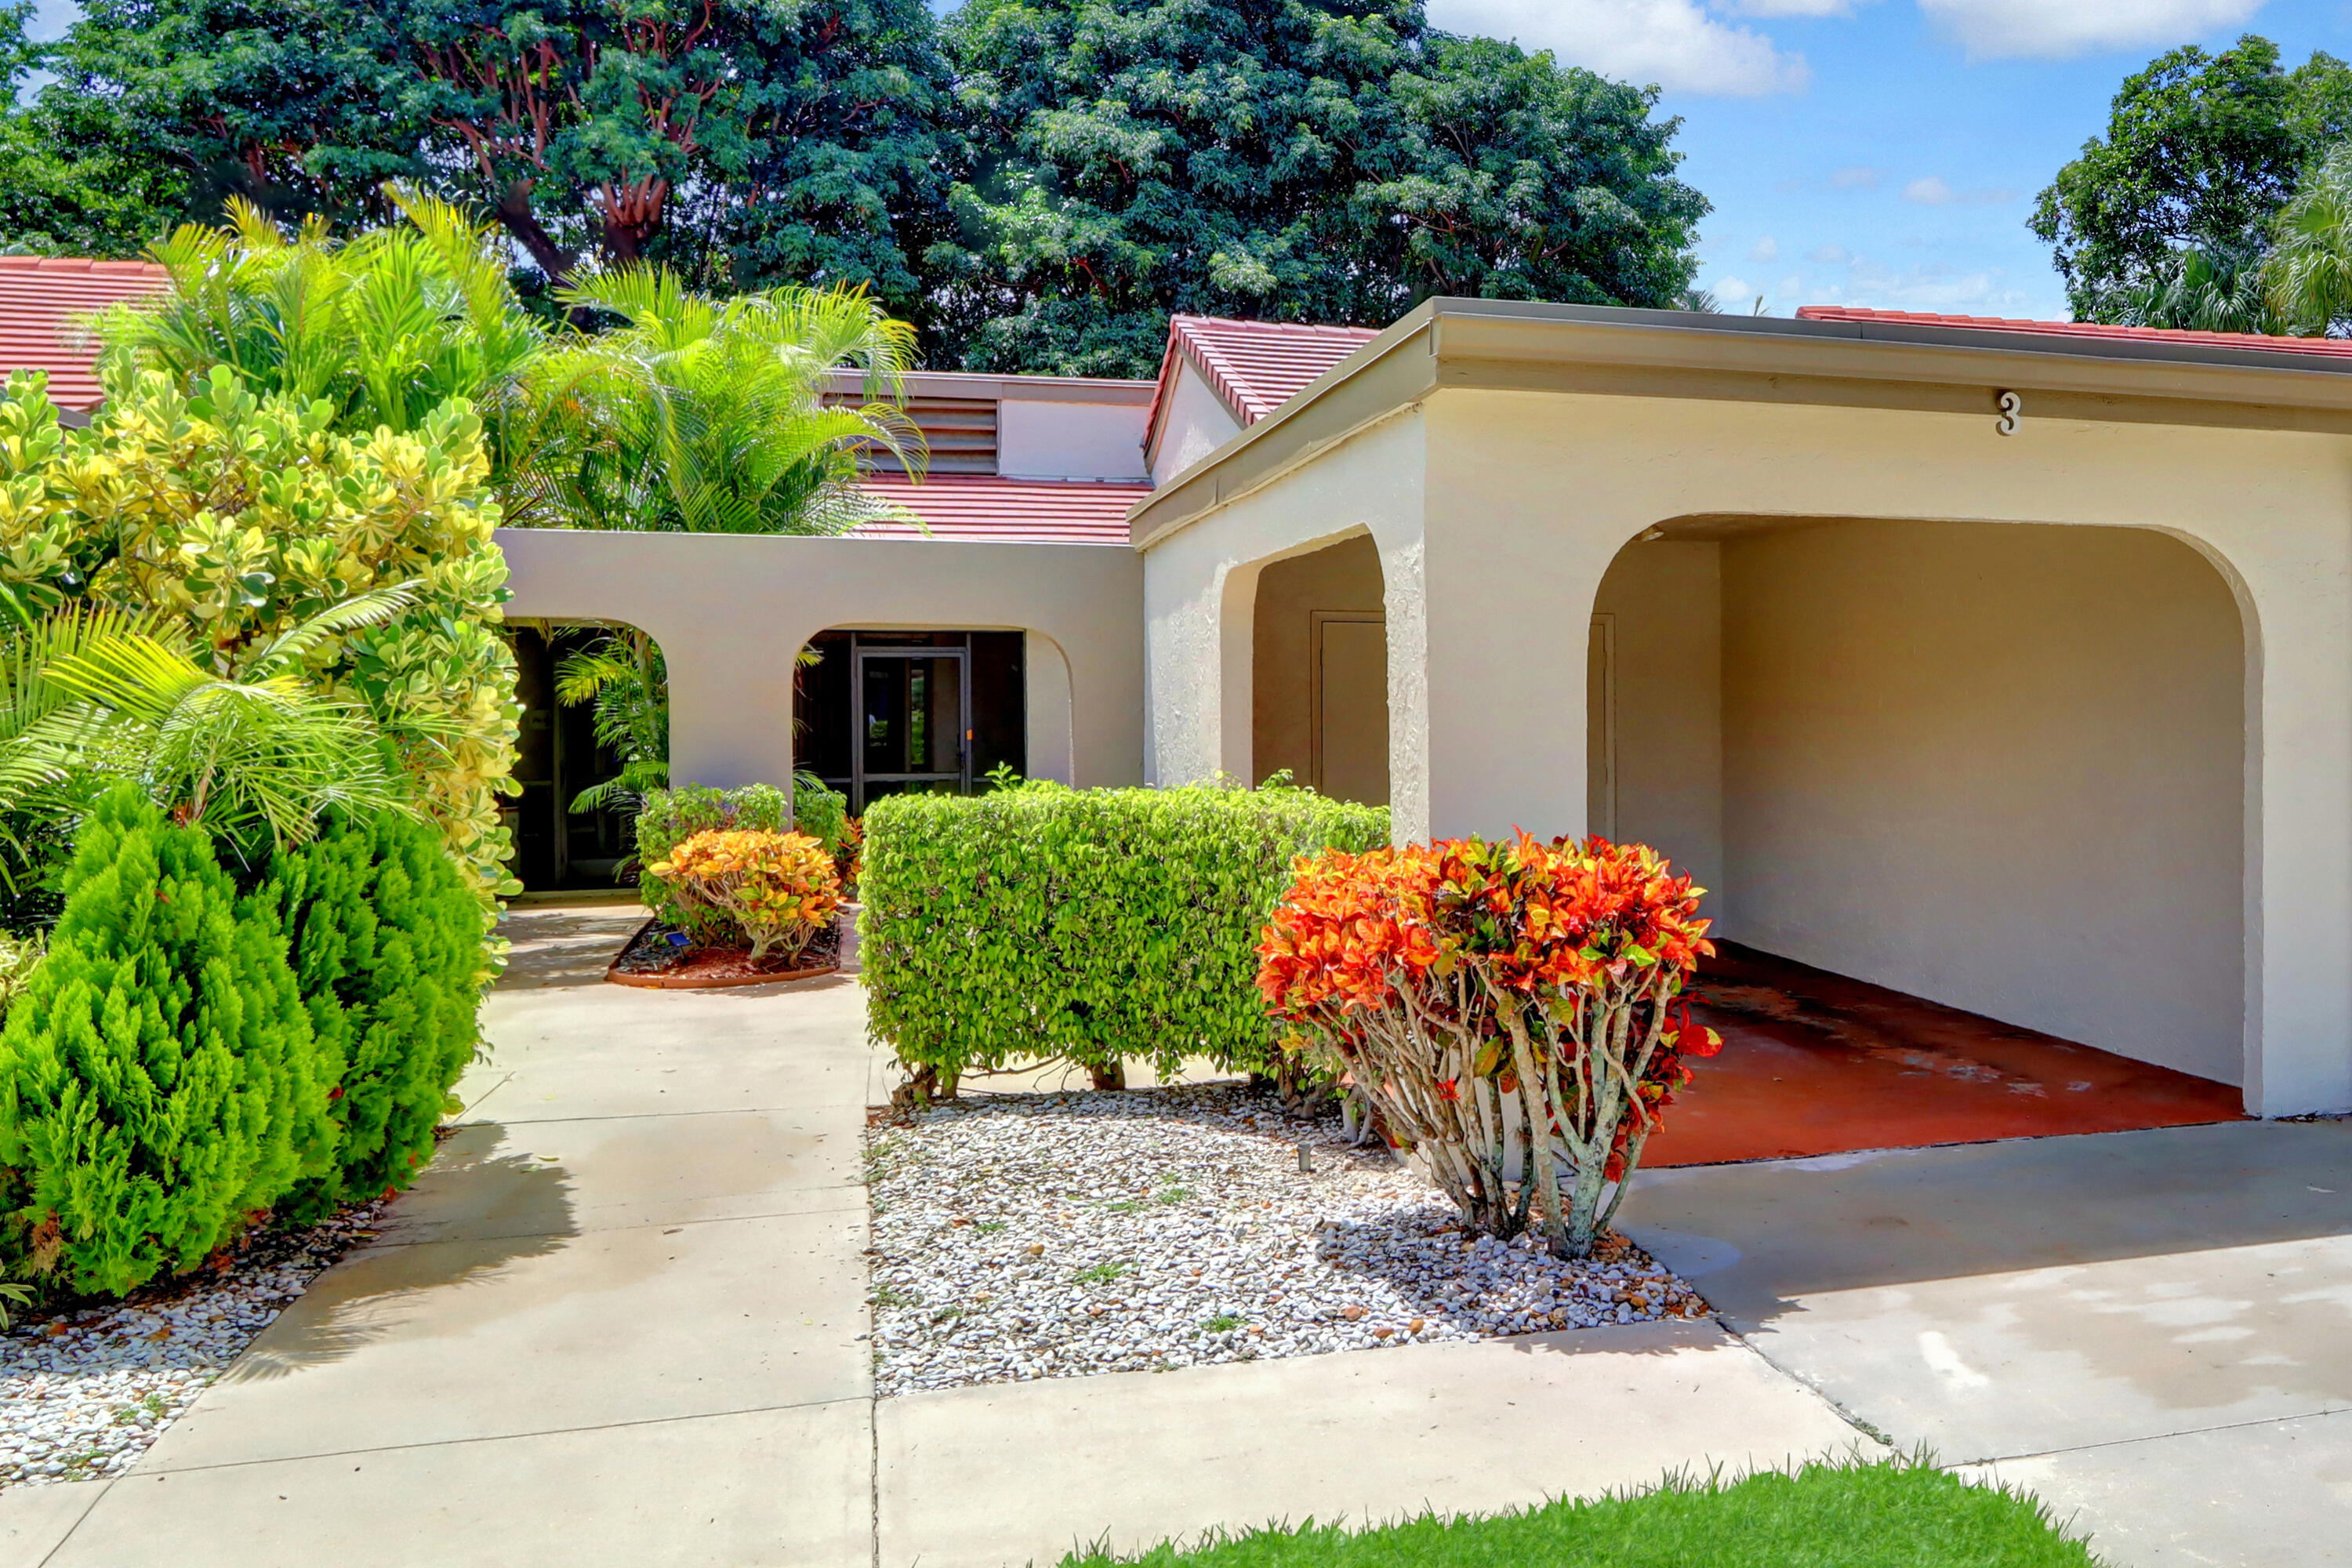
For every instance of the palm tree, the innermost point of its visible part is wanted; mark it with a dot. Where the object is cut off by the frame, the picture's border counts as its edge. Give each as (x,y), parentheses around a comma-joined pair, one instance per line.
(88,695)
(697,414)
(2206,289)
(386,326)
(2309,273)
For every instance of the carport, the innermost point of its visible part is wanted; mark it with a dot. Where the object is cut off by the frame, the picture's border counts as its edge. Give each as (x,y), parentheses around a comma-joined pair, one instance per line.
(1996,679)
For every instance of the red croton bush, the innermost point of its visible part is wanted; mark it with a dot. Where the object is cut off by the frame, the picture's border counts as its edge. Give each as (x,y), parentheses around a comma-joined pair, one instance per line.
(1509,1009)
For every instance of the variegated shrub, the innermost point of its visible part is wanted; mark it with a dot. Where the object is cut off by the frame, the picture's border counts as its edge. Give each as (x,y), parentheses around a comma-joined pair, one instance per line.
(249,514)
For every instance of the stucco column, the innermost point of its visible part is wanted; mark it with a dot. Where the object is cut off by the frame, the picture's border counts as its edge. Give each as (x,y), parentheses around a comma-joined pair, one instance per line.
(2297,599)
(1513,565)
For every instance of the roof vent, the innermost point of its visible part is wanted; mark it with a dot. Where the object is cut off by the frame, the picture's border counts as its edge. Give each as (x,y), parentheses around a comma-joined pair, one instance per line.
(959,431)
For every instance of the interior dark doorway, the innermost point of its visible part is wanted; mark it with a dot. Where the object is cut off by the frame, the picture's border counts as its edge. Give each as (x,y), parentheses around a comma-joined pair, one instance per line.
(881,713)
(557,757)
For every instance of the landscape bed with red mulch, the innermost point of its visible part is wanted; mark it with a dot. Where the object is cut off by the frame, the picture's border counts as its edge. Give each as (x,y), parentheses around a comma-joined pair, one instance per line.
(655,958)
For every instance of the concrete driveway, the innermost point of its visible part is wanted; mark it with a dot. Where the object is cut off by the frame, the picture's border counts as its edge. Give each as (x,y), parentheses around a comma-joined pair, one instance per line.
(2153,1329)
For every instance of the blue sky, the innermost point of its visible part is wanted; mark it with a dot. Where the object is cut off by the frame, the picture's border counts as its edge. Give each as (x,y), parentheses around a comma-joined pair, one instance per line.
(1886,153)
(1880,152)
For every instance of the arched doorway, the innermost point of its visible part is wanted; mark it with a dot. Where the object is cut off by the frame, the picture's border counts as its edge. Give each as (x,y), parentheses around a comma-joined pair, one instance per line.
(1318,673)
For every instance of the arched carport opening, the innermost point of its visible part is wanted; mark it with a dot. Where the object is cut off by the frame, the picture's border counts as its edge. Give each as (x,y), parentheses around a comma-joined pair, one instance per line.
(573,823)
(1318,672)
(1970,801)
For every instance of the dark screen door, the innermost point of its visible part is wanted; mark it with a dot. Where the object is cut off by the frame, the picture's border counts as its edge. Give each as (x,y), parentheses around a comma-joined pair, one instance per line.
(912,733)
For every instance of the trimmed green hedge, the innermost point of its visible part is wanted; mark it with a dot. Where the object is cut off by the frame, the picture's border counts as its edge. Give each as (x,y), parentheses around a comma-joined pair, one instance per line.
(1098,925)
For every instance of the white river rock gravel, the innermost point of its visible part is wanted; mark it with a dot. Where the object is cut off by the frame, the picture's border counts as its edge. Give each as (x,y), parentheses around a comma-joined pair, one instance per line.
(83,1393)
(1022,1236)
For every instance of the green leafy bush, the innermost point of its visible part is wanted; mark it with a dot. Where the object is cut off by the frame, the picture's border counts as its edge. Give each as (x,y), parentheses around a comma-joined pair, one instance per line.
(671,817)
(1093,924)
(386,945)
(160,1081)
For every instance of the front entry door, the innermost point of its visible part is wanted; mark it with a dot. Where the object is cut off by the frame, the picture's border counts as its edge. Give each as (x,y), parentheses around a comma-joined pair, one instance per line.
(913,734)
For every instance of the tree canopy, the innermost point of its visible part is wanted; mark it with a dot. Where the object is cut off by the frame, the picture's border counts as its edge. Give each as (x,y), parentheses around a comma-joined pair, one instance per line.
(1307,160)
(67,187)
(1034,184)
(2201,153)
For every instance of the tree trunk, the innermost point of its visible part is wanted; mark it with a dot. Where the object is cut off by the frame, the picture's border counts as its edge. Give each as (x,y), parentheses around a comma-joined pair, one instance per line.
(1111,1077)
(519,218)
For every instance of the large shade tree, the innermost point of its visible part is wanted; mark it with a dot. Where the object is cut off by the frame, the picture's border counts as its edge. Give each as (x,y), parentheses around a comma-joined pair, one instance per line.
(1309,160)
(748,141)
(2158,221)
(68,186)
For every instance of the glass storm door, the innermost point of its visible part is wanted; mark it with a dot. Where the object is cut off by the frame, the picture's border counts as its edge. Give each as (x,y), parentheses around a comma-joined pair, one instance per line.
(912,730)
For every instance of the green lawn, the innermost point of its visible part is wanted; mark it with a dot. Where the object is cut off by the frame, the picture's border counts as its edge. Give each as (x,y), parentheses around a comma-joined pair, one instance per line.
(1885,1515)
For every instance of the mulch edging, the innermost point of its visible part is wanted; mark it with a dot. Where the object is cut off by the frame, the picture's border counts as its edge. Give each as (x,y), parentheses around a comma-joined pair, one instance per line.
(647,960)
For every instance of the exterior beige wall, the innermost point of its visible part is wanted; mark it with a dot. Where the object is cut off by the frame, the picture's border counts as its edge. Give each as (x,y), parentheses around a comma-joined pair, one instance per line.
(1531,494)
(1663,602)
(1201,590)
(1998,766)
(1345,577)
(730,611)
(1070,440)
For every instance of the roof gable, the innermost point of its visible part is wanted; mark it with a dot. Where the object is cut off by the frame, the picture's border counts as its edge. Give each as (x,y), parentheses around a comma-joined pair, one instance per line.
(1254,367)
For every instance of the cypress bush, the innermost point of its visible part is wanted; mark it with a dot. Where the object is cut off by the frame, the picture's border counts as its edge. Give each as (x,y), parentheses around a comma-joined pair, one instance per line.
(385,939)
(1098,925)
(160,1081)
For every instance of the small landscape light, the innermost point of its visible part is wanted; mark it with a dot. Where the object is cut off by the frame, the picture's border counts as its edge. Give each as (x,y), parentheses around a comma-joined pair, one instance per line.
(1306,1162)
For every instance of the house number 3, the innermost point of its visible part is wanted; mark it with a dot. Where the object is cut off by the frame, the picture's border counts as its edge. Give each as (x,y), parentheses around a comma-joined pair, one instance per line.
(2013,413)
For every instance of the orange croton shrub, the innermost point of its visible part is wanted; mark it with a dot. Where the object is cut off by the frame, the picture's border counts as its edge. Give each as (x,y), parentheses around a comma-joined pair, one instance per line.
(1509,1009)
(781,888)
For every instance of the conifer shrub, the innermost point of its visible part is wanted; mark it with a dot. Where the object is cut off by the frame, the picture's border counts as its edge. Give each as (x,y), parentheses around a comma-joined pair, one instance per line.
(1097,925)
(385,946)
(159,1080)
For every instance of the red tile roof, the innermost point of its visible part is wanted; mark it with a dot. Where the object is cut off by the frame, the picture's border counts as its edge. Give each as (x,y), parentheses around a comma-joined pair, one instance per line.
(987,510)
(2331,347)
(39,298)
(1258,367)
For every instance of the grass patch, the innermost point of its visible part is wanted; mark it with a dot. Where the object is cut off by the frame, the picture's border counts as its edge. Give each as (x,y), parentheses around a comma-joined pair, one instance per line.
(1223,1323)
(991,1227)
(1173,1196)
(1890,1514)
(1100,1274)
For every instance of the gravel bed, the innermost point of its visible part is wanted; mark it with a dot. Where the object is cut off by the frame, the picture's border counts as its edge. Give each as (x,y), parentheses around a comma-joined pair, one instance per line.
(1023,1236)
(84,1393)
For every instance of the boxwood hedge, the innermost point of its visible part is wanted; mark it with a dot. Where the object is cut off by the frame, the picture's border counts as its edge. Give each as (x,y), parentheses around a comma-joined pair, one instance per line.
(1099,925)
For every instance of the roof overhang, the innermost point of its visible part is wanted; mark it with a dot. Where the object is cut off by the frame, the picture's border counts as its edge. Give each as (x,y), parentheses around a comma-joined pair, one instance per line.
(1513,345)
(1007,388)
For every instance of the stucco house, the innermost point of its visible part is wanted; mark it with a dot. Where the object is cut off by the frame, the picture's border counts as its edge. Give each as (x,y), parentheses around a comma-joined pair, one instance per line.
(2005,663)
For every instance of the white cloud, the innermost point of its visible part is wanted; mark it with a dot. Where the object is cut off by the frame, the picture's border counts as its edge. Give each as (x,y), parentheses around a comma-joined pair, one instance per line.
(1733,291)
(1829,255)
(1929,287)
(1765,249)
(1790,287)
(1857,177)
(1934,192)
(1793,8)
(2053,29)
(1673,43)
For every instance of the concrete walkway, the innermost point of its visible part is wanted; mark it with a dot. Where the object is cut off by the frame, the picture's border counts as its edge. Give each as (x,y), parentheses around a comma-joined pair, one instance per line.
(620,1320)
(2152,1330)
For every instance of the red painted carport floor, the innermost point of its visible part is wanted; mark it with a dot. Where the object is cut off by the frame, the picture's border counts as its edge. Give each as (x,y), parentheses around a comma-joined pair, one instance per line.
(1814,1063)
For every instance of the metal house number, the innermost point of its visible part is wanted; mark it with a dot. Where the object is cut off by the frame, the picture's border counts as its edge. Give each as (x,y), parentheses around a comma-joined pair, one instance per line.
(2013,413)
